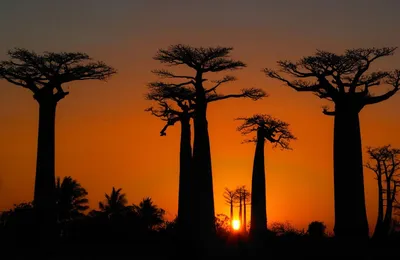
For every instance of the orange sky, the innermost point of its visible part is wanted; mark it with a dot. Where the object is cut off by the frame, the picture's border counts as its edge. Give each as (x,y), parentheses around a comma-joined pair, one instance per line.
(104,138)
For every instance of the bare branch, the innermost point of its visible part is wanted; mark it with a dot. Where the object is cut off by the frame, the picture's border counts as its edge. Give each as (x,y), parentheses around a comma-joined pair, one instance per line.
(229,196)
(326,111)
(394,80)
(168,74)
(221,81)
(252,93)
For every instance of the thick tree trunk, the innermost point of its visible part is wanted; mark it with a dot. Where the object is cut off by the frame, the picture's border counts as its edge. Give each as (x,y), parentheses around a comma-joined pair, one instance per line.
(203,172)
(387,222)
(350,212)
(185,184)
(258,219)
(379,221)
(45,192)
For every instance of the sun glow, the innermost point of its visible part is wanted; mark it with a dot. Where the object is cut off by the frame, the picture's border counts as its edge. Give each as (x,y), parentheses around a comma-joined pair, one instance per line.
(236,224)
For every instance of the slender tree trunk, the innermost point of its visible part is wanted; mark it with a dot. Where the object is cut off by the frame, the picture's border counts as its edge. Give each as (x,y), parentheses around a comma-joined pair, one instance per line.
(387,222)
(45,192)
(379,222)
(258,219)
(244,215)
(231,213)
(185,183)
(240,212)
(350,212)
(203,171)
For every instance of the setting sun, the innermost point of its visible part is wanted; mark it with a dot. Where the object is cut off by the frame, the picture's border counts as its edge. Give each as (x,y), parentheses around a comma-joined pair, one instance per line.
(236,224)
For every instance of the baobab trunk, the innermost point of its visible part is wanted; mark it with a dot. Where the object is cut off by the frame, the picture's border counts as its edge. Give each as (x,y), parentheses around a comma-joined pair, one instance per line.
(185,183)
(387,222)
(231,214)
(202,168)
(44,194)
(240,212)
(379,220)
(258,220)
(244,215)
(350,211)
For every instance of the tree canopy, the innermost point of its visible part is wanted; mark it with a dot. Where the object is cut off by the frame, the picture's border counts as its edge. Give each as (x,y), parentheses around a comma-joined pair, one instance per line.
(330,76)
(274,130)
(49,70)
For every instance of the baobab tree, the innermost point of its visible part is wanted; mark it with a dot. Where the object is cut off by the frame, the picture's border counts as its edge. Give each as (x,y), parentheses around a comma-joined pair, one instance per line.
(243,196)
(203,61)
(166,95)
(386,166)
(277,133)
(230,199)
(343,79)
(44,75)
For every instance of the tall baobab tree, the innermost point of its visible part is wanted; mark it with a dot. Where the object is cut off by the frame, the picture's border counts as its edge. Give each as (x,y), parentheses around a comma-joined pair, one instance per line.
(343,80)
(386,166)
(277,133)
(166,95)
(44,75)
(203,61)
(230,199)
(243,195)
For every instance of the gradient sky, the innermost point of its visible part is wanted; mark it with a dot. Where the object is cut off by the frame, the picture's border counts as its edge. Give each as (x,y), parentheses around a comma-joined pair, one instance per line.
(104,138)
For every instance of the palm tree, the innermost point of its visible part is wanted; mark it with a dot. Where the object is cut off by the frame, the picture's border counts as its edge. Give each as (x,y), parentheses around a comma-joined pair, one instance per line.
(114,203)
(149,214)
(71,198)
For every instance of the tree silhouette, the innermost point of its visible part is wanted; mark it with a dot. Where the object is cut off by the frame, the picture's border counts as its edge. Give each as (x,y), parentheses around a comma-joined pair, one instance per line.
(115,202)
(18,223)
(44,75)
(149,214)
(243,195)
(230,199)
(165,94)
(386,167)
(71,199)
(202,61)
(316,229)
(277,133)
(343,80)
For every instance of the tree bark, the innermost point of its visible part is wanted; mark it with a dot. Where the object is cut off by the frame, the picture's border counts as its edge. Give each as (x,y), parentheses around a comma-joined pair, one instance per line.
(258,219)
(379,221)
(45,190)
(350,212)
(185,183)
(202,169)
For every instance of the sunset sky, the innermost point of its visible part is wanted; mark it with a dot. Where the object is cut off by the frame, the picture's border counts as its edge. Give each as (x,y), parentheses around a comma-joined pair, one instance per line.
(104,138)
